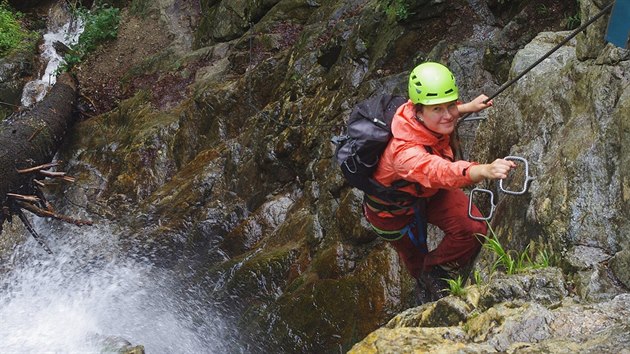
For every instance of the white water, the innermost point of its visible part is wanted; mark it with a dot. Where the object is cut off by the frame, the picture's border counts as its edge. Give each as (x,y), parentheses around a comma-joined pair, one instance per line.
(88,291)
(67,34)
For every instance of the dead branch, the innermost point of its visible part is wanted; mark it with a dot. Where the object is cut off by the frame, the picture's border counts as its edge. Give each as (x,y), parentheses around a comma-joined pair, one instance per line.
(88,99)
(58,175)
(39,168)
(52,173)
(34,233)
(49,214)
(35,133)
(27,198)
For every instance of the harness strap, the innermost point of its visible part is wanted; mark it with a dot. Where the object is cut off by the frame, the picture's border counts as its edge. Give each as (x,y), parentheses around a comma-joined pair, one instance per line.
(375,205)
(416,230)
(420,224)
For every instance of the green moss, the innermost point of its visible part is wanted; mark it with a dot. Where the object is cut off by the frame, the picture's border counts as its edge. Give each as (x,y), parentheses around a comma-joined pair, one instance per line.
(13,35)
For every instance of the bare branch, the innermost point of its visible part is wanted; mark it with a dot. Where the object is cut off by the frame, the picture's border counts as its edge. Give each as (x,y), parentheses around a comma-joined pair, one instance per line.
(52,173)
(27,198)
(30,229)
(35,133)
(38,168)
(49,214)
(59,175)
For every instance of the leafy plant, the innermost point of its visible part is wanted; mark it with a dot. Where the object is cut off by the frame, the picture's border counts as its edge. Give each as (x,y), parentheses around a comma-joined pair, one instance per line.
(399,10)
(12,35)
(101,25)
(456,286)
(477,277)
(574,21)
(503,258)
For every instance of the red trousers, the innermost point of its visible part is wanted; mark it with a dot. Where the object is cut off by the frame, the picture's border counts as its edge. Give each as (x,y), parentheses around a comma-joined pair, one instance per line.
(448,210)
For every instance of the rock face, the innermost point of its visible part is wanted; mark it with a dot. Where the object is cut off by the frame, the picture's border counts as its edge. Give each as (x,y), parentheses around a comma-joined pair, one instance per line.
(568,117)
(234,181)
(518,321)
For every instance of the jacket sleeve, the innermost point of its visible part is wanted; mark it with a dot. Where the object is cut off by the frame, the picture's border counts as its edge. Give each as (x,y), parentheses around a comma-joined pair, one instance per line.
(413,163)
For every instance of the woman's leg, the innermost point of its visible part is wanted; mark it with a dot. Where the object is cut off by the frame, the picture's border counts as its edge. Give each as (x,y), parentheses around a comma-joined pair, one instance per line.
(410,255)
(448,210)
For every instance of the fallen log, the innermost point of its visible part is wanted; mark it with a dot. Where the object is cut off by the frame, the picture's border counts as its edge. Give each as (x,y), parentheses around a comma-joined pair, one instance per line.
(28,143)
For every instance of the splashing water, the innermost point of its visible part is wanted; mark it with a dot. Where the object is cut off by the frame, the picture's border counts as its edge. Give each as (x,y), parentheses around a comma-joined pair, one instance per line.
(88,297)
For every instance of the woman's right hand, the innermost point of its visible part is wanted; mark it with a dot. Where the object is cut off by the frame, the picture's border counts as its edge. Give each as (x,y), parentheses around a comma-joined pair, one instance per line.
(498,169)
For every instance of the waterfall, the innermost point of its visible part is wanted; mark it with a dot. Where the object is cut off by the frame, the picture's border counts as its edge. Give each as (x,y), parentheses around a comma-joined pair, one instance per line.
(89,296)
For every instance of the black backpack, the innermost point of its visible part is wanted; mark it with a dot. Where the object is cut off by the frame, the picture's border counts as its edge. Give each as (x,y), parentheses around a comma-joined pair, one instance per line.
(359,150)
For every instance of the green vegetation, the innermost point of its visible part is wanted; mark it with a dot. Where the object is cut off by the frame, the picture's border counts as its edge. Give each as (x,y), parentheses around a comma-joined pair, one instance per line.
(12,35)
(574,21)
(139,8)
(456,286)
(398,10)
(477,279)
(542,10)
(101,25)
(511,261)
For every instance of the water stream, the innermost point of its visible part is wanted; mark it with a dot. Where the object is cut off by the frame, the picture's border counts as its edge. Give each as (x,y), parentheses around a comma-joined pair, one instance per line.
(63,28)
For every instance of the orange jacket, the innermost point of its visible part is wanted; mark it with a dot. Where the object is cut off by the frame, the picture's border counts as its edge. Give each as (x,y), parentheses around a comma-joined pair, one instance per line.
(407,158)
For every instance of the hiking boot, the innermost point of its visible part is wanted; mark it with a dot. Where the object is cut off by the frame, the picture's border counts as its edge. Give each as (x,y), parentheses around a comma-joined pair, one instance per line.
(435,282)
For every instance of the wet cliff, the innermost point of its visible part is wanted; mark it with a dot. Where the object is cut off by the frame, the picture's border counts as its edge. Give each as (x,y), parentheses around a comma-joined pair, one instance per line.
(210,148)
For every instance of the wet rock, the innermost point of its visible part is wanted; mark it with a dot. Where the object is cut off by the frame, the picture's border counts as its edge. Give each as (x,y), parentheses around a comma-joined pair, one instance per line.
(517,326)
(578,195)
(349,215)
(545,286)
(15,70)
(240,177)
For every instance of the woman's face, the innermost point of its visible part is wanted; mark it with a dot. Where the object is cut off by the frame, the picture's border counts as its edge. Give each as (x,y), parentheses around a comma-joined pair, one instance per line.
(440,118)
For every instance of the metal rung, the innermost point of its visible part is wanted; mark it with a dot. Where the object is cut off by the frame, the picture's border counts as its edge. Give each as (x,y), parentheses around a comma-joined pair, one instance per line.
(470,204)
(528,178)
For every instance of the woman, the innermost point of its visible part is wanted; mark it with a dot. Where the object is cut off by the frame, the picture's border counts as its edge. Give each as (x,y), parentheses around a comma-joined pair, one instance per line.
(419,152)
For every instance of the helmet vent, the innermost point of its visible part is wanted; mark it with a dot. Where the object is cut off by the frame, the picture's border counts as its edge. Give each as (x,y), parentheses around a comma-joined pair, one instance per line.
(448,91)
(432,94)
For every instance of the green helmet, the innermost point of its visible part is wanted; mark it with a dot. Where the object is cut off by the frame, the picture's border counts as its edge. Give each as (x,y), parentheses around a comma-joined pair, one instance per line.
(432,83)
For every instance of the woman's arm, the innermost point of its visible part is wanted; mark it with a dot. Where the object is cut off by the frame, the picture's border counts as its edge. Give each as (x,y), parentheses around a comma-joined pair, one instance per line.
(498,169)
(475,105)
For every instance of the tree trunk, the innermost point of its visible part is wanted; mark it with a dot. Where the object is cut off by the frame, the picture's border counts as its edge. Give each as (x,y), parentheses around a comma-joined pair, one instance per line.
(28,143)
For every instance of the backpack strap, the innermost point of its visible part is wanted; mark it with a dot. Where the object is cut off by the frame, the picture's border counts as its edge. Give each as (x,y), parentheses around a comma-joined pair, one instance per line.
(375,204)
(393,195)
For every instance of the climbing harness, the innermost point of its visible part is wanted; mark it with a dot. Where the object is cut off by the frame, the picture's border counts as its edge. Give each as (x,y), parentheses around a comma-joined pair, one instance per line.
(480,191)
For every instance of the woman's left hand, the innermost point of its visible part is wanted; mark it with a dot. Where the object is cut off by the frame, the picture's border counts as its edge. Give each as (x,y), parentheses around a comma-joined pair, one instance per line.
(479,103)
